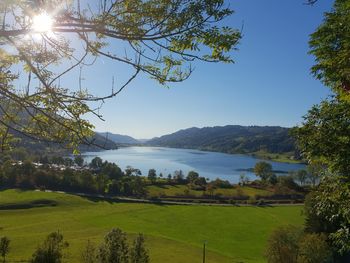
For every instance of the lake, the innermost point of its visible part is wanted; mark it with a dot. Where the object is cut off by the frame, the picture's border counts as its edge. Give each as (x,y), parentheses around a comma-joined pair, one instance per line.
(211,165)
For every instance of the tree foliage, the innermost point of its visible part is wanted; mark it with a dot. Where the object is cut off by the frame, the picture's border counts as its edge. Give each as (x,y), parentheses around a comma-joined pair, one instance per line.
(263,170)
(89,253)
(4,248)
(283,245)
(288,244)
(328,210)
(152,175)
(114,248)
(159,38)
(325,135)
(313,248)
(331,47)
(138,252)
(51,251)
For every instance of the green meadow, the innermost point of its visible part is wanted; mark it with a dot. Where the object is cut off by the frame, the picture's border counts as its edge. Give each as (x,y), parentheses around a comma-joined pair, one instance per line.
(174,233)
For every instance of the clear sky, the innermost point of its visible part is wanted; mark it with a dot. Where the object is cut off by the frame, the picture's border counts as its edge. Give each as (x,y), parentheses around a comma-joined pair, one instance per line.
(269,84)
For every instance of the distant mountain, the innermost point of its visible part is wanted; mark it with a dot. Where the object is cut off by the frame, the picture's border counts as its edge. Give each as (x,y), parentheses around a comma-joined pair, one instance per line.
(230,139)
(119,139)
(143,140)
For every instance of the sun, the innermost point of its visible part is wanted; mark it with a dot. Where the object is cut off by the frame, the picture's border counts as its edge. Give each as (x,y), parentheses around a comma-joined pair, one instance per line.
(42,23)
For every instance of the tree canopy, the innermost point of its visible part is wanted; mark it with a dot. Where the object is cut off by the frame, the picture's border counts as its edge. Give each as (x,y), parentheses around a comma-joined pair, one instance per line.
(263,170)
(331,47)
(324,137)
(38,47)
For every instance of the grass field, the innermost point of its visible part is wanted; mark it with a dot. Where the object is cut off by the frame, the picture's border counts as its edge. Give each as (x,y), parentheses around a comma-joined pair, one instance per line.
(174,233)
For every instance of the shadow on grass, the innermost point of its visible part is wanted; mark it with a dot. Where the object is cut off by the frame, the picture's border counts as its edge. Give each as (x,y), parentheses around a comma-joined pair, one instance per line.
(120,200)
(28,205)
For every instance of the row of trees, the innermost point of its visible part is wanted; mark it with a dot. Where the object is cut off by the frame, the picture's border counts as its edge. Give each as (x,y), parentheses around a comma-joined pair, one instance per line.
(102,177)
(98,177)
(109,180)
(113,249)
(310,176)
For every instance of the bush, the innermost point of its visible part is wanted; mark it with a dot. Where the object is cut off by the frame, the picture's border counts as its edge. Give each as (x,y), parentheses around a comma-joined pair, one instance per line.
(288,182)
(51,251)
(283,245)
(289,244)
(4,247)
(251,201)
(138,252)
(114,248)
(218,183)
(313,248)
(239,192)
(89,253)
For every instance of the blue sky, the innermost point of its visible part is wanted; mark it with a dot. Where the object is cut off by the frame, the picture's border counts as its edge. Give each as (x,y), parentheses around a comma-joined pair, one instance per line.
(269,84)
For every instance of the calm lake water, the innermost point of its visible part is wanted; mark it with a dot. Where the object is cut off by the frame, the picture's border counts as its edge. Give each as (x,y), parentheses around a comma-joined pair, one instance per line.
(211,165)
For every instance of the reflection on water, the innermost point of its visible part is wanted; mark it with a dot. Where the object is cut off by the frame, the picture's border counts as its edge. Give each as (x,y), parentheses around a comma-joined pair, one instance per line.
(166,160)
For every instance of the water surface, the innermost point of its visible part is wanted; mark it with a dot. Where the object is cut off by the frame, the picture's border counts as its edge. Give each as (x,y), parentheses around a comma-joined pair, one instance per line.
(211,165)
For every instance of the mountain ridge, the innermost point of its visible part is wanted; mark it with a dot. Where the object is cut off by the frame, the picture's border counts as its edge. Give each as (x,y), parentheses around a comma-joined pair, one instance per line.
(230,139)
(119,138)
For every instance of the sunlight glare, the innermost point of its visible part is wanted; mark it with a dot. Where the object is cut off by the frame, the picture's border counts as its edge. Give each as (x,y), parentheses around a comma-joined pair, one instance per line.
(42,23)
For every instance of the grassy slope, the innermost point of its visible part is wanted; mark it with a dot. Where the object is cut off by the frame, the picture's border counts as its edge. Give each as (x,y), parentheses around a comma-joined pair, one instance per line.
(277,157)
(174,233)
(173,190)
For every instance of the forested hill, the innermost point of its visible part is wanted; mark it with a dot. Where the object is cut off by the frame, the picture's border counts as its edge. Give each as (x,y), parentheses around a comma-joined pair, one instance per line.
(230,139)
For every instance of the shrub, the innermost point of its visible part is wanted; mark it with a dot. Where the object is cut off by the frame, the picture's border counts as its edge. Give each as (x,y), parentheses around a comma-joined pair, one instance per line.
(283,245)
(114,248)
(289,244)
(51,251)
(4,247)
(89,253)
(218,183)
(138,252)
(313,248)
(251,201)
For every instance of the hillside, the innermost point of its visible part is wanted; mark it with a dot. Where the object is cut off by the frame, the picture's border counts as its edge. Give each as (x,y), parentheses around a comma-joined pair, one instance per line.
(230,139)
(118,138)
(98,143)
